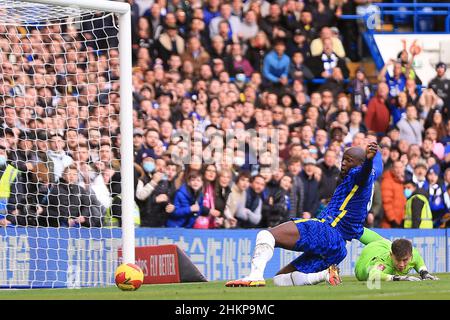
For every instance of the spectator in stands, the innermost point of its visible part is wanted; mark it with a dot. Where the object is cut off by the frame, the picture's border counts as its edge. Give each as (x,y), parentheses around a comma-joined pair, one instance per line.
(149,180)
(297,196)
(10,177)
(321,141)
(25,155)
(58,156)
(375,215)
(142,38)
(160,205)
(198,29)
(272,24)
(441,84)
(417,212)
(410,128)
(298,70)
(222,191)
(211,10)
(26,200)
(355,126)
(276,66)
(420,174)
(393,197)
(323,64)
(435,191)
(398,108)
(249,216)
(150,139)
(336,82)
(412,91)
(329,178)
(361,90)
(155,17)
(286,188)
(236,199)
(273,201)
(237,63)
(218,51)
(428,151)
(311,185)
(188,203)
(318,44)
(429,101)
(299,43)
(377,117)
(170,43)
(445,219)
(257,49)
(407,63)
(225,15)
(249,26)
(435,120)
(446,178)
(70,205)
(322,13)
(397,81)
(307,25)
(438,148)
(209,178)
(196,54)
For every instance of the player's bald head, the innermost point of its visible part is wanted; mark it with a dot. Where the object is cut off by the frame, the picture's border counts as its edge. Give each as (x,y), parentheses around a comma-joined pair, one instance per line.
(356,153)
(352,158)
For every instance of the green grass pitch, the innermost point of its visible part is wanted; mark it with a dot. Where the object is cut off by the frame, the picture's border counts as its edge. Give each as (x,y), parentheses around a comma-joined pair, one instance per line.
(349,289)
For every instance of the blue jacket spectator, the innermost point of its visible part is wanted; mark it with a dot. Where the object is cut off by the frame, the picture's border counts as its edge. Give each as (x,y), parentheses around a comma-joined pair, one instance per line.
(210,11)
(276,64)
(188,203)
(397,81)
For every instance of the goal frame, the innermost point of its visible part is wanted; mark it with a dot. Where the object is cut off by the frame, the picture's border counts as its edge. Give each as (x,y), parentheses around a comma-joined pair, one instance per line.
(123,11)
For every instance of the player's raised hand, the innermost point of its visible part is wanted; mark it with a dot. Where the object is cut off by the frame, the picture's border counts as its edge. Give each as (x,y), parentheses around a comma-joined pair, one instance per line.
(371,150)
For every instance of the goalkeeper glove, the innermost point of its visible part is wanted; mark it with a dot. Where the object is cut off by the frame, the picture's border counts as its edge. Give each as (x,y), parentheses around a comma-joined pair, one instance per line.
(405,278)
(425,275)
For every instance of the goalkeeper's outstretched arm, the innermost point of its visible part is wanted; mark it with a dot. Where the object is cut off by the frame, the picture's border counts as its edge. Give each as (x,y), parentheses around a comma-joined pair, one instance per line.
(369,236)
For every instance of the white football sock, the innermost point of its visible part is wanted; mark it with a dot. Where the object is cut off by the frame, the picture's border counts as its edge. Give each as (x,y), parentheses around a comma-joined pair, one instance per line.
(265,244)
(297,278)
(283,280)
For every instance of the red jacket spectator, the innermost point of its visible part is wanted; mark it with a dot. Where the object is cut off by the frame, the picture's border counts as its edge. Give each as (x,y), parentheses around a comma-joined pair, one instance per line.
(378,115)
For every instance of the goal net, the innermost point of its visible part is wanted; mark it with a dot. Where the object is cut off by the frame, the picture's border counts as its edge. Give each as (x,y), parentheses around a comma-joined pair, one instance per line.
(64,94)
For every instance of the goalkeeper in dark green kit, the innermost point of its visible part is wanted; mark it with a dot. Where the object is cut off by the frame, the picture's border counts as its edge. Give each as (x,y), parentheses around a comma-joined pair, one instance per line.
(389,261)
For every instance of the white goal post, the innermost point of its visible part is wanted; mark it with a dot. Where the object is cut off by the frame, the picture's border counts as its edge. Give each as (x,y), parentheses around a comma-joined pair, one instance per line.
(46,11)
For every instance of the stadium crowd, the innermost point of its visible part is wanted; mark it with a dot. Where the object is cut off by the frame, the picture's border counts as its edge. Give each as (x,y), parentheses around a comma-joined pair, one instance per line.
(210,71)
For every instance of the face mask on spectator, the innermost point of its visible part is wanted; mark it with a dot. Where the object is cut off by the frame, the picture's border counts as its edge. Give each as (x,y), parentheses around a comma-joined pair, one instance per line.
(240,77)
(149,167)
(407,193)
(2,161)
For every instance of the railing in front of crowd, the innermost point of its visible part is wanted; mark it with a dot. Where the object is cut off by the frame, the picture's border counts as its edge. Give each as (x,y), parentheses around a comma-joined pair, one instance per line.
(422,14)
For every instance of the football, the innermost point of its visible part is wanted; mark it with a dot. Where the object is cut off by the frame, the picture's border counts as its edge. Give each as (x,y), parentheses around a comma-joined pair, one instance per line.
(129,277)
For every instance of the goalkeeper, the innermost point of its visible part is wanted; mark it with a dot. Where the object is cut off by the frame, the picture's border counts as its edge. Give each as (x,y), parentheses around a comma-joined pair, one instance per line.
(389,261)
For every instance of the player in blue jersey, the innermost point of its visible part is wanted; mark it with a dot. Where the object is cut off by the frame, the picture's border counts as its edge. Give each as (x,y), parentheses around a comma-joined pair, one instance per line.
(322,240)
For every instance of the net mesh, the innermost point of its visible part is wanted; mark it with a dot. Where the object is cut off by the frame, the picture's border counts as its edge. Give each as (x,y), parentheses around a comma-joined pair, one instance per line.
(59,145)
